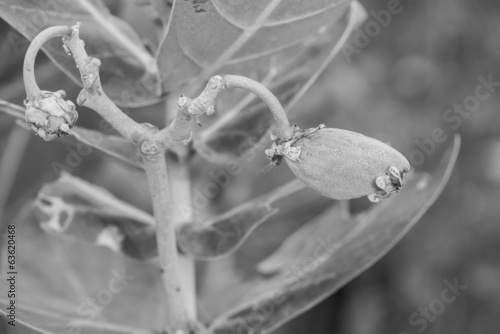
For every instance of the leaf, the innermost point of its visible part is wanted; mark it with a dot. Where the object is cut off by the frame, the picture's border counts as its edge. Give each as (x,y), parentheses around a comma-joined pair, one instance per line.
(246,124)
(76,209)
(305,240)
(72,326)
(128,72)
(62,284)
(263,303)
(116,147)
(19,327)
(250,38)
(223,234)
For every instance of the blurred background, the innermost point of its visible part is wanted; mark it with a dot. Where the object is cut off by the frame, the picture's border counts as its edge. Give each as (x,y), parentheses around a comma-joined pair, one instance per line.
(397,88)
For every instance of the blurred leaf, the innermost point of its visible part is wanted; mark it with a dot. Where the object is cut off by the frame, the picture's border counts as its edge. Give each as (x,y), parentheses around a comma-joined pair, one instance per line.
(246,124)
(78,210)
(223,234)
(250,38)
(45,319)
(320,271)
(304,241)
(114,146)
(63,284)
(128,72)
(17,326)
(159,11)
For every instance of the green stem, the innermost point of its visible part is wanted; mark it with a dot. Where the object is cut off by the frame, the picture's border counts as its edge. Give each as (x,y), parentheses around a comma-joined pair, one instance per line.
(182,212)
(284,130)
(93,96)
(32,89)
(176,313)
(180,129)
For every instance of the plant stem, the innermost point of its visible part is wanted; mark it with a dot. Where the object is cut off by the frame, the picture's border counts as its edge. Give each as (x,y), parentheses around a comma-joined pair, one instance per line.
(284,130)
(156,171)
(153,150)
(179,130)
(93,96)
(32,89)
(182,206)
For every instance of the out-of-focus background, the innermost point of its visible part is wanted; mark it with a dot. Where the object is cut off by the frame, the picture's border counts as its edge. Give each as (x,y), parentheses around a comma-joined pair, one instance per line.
(400,85)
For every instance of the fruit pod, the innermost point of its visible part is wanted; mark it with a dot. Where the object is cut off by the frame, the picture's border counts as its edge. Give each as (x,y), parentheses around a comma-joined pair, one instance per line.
(342,164)
(49,115)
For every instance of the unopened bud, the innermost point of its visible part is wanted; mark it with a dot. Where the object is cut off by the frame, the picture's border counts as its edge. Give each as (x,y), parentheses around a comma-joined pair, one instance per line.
(342,164)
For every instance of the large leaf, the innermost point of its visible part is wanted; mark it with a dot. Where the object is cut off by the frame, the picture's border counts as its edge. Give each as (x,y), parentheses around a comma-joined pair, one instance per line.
(28,321)
(113,146)
(58,280)
(76,209)
(246,124)
(223,234)
(250,38)
(15,326)
(128,72)
(330,260)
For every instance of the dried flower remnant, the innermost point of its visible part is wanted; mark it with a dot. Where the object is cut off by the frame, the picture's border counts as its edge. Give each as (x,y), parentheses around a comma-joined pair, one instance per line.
(49,115)
(342,164)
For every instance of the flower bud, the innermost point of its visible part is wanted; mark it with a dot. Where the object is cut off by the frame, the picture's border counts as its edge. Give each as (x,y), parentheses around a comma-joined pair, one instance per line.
(342,164)
(49,115)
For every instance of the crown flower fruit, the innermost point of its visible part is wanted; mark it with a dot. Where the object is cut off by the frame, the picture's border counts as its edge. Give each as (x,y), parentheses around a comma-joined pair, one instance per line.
(49,115)
(342,164)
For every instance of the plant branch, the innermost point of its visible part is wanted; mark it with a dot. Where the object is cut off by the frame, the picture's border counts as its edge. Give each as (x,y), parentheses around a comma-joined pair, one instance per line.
(144,136)
(93,96)
(182,213)
(156,171)
(179,130)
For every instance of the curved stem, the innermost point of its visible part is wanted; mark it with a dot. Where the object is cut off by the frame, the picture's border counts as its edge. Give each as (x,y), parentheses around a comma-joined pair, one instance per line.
(32,89)
(284,130)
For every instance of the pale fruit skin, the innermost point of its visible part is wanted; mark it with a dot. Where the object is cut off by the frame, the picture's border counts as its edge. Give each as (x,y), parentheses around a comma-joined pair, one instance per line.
(342,164)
